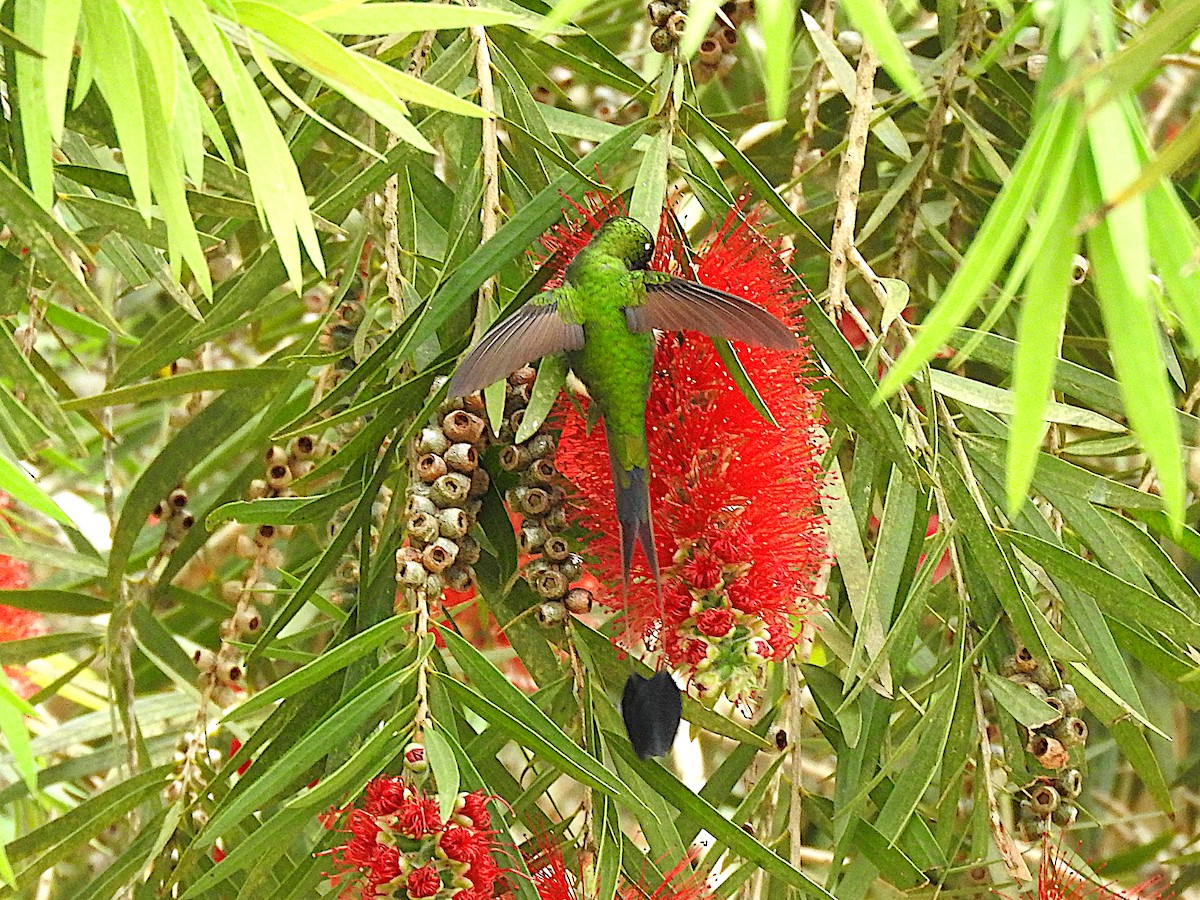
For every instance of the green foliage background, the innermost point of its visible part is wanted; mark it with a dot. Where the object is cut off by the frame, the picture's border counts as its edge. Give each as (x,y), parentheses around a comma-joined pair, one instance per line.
(177,175)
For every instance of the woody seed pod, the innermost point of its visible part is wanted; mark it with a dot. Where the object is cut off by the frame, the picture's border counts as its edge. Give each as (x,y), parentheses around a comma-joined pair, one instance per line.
(303,446)
(430,467)
(279,476)
(541,446)
(257,489)
(531,538)
(535,501)
(1043,800)
(556,548)
(551,613)
(1079,269)
(1070,783)
(475,403)
(451,489)
(1071,732)
(661,40)
(422,527)
(572,567)
(541,471)
(523,375)
(462,458)
(1024,660)
(431,440)
(480,482)
(275,456)
(468,550)
(462,426)
(178,498)
(1048,751)
(514,457)
(727,37)
(458,578)
(453,522)
(710,51)
(1065,815)
(1069,699)
(412,572)
(415,503)
(659,11)
(551,584)
(439,555)
(675,24)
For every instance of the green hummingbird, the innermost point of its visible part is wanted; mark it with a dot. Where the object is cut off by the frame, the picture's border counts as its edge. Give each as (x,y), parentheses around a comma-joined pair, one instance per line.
(603,317)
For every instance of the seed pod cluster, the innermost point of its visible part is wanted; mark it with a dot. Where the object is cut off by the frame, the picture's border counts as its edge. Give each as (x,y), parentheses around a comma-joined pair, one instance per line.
(1051,798)
(539,498)
(445,489)
(173,512)
(715,57)
(669,18)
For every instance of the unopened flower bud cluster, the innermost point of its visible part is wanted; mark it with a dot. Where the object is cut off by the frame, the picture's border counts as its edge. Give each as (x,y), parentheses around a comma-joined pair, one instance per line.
(540,499)
(726,649)
(1051,797)
(445,487)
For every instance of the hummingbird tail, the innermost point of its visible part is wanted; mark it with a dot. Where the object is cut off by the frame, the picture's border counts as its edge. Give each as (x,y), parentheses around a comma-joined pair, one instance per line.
(633,514)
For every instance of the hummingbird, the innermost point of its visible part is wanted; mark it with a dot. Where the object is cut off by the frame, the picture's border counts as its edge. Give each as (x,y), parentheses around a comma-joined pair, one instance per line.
(603,317)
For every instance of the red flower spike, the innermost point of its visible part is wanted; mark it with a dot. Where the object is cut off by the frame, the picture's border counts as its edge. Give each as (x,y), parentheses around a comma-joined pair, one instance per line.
(1059,879)
(735,502)
(15,623)
(397,846)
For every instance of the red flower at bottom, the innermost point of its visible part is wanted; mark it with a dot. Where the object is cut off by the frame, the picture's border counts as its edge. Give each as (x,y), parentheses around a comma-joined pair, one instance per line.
(423,882)
(15,623)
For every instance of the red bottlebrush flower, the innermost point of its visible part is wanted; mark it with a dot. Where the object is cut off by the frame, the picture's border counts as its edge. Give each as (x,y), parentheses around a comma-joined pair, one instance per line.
(554,881)
(15,623)
(474,807)
(735,501)
(397,845)
(1059,879)
(218,855)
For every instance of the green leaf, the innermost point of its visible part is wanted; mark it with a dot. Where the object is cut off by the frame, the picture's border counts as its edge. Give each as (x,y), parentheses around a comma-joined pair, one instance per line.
(696,809)
(733,365)
(15,482)
(321,667)
(871,19)
(282,510)
(551,375)
(1040,159)
(1020,703)
(650,187)
(444,766)
(1117,598)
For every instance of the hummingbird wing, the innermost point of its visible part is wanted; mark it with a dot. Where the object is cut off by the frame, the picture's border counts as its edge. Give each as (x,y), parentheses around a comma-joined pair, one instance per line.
(673,304)
(533,331)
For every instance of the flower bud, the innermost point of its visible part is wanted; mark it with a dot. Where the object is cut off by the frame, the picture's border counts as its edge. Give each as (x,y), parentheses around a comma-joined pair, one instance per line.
(578,601)
(244,547)
(414,758)
(231,591)
(850,43)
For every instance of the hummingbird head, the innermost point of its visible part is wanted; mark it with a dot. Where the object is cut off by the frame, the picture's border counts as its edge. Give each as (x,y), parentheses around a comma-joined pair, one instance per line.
(627,239)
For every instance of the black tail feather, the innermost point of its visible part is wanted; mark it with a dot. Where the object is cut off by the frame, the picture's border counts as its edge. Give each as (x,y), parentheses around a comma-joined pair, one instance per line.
(633,513)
